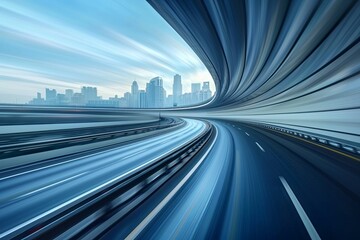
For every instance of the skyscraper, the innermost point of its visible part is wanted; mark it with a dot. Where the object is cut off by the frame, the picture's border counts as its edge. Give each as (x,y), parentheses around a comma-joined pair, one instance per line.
(134,95)
(127,97)
(90,93)
(195,92)
(38,100)
(155,93)
(177,89)
(205,92)
(50,96)
(69,93)
(169,101)
(142,99)
(206,86)
(195,87)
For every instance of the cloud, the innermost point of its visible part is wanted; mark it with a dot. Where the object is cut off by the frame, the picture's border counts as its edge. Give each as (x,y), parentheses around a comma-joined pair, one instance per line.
(69,44)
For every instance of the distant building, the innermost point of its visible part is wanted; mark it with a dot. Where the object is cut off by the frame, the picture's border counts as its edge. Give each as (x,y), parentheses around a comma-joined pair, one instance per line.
(169,101)
(195,87)
(50,96)
(135,95)
(150,95)
(155,93)
(122,103)
(186,99)
(118,102)
(38,100)
(114,98)
(114,103)
(195,93)
(154,96)
(205,93)
(69,93)
(89,93)
(78,99)
(142,99)
(127,97)
(177,90)
(206,86)
(61,99)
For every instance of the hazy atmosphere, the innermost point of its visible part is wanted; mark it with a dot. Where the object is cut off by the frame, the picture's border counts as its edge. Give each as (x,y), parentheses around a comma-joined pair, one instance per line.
(60,45)
(122,134)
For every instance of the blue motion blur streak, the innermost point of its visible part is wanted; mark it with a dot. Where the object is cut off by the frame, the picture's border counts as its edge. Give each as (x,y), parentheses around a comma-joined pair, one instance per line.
(69,44)
(293,63)
(237,192)
(38,193)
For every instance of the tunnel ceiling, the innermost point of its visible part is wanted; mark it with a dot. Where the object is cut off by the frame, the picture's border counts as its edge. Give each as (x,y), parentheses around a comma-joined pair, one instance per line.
(274,56)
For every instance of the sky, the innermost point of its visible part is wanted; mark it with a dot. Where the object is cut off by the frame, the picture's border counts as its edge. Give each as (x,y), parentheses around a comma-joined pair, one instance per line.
(107,44)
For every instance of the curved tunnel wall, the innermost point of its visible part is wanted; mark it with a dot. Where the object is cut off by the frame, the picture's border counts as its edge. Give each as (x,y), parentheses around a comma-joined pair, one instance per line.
(293,63)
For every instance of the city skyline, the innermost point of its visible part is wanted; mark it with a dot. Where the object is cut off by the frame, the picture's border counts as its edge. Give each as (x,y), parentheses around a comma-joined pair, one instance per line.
(41,47)
(152,96)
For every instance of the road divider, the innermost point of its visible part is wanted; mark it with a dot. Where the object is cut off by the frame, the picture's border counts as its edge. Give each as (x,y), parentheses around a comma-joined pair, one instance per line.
(113,198)
(13,150)
(327,143)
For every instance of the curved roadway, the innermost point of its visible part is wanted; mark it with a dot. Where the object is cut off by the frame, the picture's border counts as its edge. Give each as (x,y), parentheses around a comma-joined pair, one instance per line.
(36,194)
(255,184)
(285,62)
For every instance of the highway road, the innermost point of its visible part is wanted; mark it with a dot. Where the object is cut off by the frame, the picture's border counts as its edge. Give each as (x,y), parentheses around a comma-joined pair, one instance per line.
(254,184)
(247,183)
(291,64)
(47,132)
(29,197)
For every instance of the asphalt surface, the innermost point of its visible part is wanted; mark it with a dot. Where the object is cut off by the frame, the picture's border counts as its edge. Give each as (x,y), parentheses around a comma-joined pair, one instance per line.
(34,195)
(250,183)
(254,184)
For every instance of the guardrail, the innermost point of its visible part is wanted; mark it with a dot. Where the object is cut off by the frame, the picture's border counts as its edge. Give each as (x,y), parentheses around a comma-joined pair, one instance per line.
(14,150)
(313,137)
(92,214)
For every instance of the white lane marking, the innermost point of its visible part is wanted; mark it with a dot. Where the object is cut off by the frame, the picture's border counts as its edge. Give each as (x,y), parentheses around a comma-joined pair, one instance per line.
(260,146)
(56,164)
(60,163)
(134,233)
(51,185)
(50,211)
(305,219)
(247,134)
(239,128)
(38,169)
